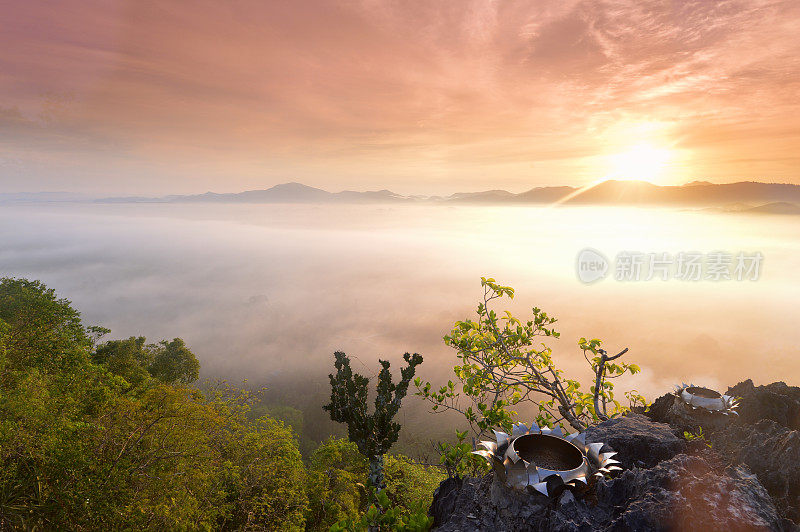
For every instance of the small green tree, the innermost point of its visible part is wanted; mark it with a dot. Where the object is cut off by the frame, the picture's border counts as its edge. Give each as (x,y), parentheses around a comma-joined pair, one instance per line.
(502,366)
(44,330)
(373,433)
(135,360)
(174,363)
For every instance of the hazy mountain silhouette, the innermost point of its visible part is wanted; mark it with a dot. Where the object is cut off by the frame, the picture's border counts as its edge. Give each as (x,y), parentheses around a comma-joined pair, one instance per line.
(696,193)
(778,207)
(40,197)
(283,193)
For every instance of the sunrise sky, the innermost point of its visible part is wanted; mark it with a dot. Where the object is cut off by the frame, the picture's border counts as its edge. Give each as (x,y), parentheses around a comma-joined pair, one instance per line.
(430,97)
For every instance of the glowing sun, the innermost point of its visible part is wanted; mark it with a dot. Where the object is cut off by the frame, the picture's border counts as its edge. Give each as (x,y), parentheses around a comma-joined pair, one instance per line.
(641,162)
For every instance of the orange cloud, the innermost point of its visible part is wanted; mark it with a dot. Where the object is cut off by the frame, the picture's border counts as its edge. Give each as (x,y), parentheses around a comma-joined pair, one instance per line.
(145,96)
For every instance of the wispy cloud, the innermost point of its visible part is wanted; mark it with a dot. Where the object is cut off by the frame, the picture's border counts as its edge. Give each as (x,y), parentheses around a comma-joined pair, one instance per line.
(418,96)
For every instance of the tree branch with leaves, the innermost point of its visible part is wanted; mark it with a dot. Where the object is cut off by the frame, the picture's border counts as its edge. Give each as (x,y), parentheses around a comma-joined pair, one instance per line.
(505,364)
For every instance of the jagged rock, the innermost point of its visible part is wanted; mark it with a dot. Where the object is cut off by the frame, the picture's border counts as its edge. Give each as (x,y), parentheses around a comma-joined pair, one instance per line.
(688,493)
(485,504)
(682,493)
(682,418)
(748,480)
(777,401)
(638,440)
(772,452)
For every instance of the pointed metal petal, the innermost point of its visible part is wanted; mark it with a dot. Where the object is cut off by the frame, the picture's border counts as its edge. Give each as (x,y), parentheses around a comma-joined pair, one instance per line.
(580,439)
(488,455)
(517,475)
(519,429)
(545,473)
(608,455)
(557,432)
(512,455)
(501,437)
(582,478)
(614,468)
(534,428)
(533,475)
(593,450)
(541,487)
(489,446)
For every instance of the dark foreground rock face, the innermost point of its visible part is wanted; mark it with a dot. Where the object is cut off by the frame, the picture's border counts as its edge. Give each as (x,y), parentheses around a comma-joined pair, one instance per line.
(772,452)
(763,436)
(683,493)
(688,493)
(748,480)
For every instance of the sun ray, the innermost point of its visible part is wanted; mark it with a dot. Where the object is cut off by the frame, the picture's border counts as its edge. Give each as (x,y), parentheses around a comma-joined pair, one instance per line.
(640,162)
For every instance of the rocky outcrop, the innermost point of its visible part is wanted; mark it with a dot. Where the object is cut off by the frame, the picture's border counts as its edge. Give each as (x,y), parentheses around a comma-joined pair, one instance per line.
(749,478)
(777,401)
(681,418)
(638,441)
(688,493)
(682,493)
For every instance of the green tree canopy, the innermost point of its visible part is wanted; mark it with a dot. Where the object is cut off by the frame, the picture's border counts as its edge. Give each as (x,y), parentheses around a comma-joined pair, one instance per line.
(82,449)
(43,329)
(135,360)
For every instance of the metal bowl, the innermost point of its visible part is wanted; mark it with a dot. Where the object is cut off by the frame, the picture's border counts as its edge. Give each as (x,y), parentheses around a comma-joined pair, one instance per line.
(545,459)
(548,452)
(706,398)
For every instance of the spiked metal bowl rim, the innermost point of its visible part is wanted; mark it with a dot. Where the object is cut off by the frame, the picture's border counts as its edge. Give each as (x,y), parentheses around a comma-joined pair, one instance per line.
(517,472)
(706,393)
(706,399)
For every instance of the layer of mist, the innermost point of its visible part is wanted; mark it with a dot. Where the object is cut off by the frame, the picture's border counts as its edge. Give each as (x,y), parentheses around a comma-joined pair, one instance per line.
(267,292)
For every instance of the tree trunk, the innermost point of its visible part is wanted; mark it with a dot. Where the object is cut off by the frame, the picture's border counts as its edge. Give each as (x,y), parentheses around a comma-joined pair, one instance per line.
(376,472)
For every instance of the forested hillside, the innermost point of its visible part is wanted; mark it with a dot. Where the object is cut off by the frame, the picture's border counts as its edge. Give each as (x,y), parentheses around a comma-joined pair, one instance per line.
(120,435)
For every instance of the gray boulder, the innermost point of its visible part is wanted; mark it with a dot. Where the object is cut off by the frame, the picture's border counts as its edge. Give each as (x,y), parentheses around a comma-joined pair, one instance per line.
(638,441)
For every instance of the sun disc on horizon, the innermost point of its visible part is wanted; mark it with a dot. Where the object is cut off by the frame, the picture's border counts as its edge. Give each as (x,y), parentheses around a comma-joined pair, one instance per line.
(640,162)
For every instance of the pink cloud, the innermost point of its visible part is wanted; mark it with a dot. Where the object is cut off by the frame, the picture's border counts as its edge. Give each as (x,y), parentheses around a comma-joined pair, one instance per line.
(417,96)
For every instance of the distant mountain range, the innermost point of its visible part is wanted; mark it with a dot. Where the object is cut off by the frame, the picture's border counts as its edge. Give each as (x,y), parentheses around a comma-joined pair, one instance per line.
(745,196)
(284,193)
(41,197)
(697,193)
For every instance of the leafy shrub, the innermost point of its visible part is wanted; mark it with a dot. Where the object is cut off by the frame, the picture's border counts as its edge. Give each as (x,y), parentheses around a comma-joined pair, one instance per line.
(381,516)
(457,458)
(410,485)
(503,364)
(337,474)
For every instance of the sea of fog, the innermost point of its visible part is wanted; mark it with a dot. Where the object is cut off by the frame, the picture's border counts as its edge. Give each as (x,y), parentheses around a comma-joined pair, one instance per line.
(268,292)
